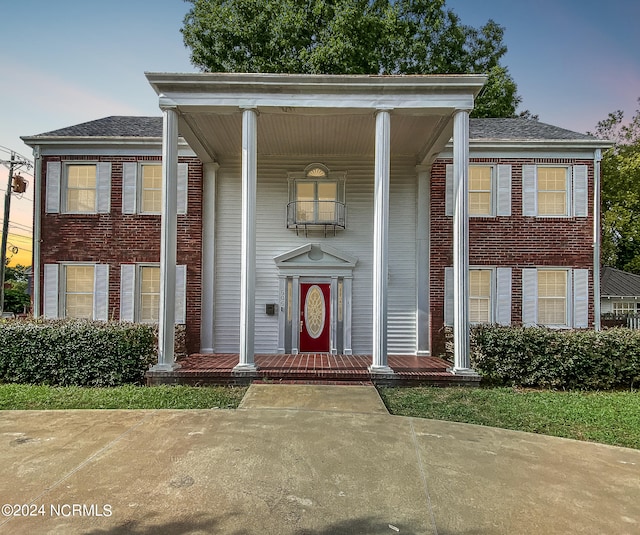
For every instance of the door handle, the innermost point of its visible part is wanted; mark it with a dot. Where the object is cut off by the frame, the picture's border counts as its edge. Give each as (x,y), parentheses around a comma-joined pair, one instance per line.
(301,322)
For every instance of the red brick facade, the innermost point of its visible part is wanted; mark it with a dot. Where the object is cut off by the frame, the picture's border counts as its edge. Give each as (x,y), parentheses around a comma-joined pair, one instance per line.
(118,238)
(515,241)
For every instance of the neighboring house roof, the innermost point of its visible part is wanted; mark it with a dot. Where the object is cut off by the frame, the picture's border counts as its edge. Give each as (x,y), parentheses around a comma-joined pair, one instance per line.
(516,129)
(618,283)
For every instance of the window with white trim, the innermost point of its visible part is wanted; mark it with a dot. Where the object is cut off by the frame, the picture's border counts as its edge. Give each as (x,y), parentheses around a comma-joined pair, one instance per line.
(140,293)
(552,297)
(78,187)
(555,297)
(151,189)
(480,295)
(149,294)
(555,190)
(142,187)
(489,295)
(316,198)
(76,290)
(489,190)
(480,190)
(624,308)
(80,191)
(553,187)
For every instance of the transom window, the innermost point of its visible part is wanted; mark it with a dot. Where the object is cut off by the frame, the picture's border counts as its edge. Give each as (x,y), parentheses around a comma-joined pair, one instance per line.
(552,191)
(151,190)
(149,294)
(480,190)
(480,295)
(78,295)
(552,297)
(81,188)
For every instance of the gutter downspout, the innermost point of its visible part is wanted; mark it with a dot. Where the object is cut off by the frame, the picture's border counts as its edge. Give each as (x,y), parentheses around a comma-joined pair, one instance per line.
(37,221)
(597,157)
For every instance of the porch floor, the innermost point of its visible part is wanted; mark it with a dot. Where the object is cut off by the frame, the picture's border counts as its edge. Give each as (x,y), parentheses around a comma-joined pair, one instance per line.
(317,368)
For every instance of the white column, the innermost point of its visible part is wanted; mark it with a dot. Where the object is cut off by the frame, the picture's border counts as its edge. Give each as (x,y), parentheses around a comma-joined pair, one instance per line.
(461,362)
(248,258)
(422,263)
(168,241)
(381,242)
(346,326)
(208,258)
(295,324)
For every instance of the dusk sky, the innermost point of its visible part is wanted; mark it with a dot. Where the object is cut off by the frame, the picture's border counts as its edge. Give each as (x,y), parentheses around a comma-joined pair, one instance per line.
(70,61)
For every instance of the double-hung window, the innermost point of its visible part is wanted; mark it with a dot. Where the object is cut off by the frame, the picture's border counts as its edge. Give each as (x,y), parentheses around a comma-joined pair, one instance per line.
(555,190)
(142,187)
(78,187)
(480,296)
(76,290)
(149,294)
(552,297)
(489,190)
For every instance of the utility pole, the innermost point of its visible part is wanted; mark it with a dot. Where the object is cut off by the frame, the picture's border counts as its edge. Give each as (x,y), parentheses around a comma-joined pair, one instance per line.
(13,163)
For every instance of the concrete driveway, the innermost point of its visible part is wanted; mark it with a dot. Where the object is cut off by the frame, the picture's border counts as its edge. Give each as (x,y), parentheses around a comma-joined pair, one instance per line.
(303,460)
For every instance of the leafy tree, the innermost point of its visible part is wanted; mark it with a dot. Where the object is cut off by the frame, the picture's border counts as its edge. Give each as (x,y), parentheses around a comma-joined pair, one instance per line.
(349,37)
(16,298)
(620,170)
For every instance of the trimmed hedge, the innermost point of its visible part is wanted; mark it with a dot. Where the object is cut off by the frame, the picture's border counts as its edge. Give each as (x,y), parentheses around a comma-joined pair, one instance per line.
(549,358)
(80,353)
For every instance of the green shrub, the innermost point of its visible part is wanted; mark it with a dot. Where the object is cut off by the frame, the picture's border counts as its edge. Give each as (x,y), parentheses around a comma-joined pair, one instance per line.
(80,353)
(549,358)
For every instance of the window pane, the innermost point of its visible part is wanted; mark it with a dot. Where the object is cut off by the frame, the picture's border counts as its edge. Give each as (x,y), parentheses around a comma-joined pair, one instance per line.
(479,190)
(149,293)
(79,292)
(305,195)
(81,188)
(327,195)
(552,191)
(152,188)
(552,297)
(480,295)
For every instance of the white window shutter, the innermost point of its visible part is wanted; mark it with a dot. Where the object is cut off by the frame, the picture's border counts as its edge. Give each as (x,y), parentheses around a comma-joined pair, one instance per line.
(51,295)
(504,190)
(448,296)
(103,187)
(580,298)
(127,292)
(181,294)
(529,190)
(129,183)
(580,191)
(503,297)
(448,190)
(101,292)
(54,171)
(530,297)
(183,187)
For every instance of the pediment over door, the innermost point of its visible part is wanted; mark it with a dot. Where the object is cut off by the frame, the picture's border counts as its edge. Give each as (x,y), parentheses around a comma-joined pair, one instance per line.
(316,258)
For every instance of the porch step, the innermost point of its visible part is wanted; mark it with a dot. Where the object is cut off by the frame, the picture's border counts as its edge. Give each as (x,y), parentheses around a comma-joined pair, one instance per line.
(324,369)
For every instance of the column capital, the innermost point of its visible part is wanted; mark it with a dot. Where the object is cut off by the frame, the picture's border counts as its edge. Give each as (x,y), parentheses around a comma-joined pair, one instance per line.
(381,109)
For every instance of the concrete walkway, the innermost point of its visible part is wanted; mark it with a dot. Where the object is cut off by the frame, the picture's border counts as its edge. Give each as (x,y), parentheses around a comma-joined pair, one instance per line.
(286,464)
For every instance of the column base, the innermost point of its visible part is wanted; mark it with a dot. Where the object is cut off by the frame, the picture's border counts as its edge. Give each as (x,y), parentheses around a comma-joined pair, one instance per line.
(164,367)
(380,370)
(467,372)
(245,369)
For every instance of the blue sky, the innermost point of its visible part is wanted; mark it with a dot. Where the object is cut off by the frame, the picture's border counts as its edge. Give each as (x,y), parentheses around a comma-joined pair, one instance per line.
(69,61)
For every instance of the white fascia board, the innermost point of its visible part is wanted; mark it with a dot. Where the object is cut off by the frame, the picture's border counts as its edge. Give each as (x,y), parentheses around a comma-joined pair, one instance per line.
(583,149)
(58,146)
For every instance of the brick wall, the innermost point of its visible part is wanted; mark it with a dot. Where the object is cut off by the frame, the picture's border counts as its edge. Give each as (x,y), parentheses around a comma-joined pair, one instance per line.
(118,238)
(516,241)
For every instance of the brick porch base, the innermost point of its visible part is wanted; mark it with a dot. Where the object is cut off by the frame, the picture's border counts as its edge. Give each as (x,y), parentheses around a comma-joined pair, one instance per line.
(310,368)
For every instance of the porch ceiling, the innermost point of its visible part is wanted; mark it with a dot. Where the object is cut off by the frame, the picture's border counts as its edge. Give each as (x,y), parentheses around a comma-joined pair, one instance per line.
(315,114)
(298,132)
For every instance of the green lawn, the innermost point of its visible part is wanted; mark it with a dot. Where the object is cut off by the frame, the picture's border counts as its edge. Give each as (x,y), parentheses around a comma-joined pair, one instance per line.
(26,397)
(606,417)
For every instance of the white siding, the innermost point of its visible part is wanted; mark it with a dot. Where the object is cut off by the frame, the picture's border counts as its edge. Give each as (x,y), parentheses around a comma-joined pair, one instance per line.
(273,238)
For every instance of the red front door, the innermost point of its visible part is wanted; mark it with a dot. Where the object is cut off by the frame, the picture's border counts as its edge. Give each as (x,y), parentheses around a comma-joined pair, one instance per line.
(314,318)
